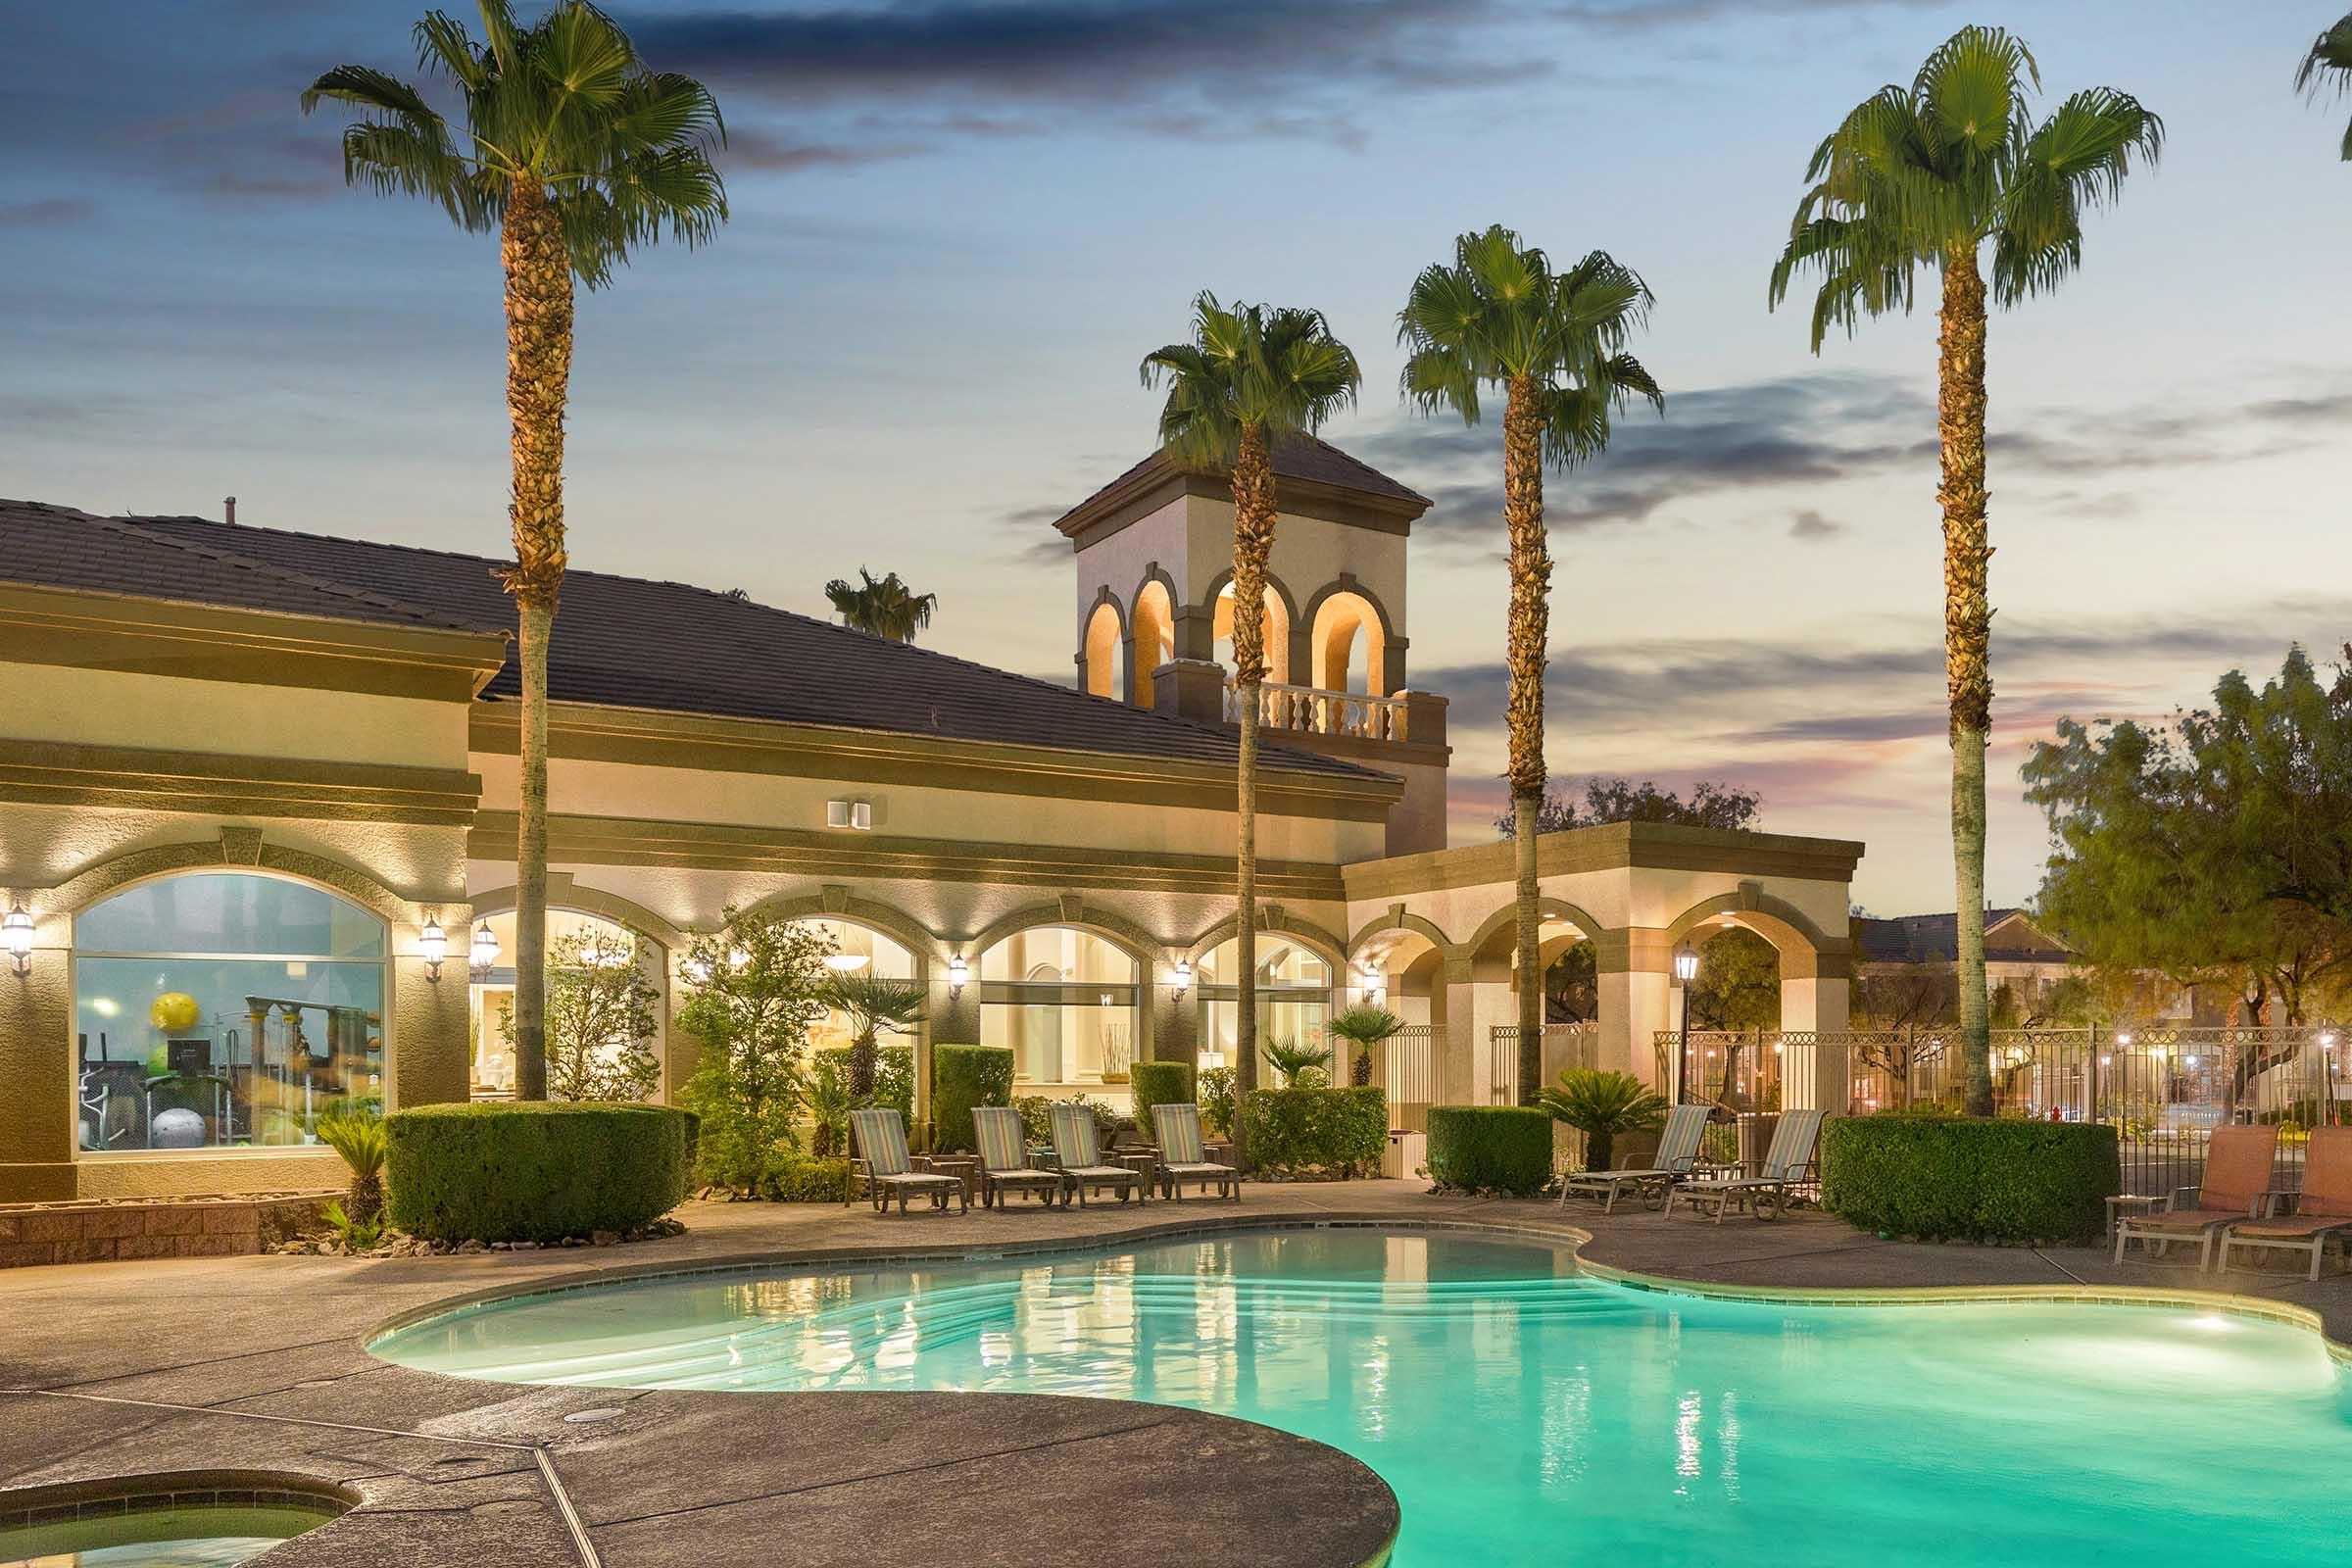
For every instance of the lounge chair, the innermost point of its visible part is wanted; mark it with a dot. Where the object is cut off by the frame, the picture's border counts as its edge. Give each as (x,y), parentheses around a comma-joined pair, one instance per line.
(1788,1164)
(2322,1210)
(1080,1158)
(1184,1158)
(890,1170)
(1005,1158)
(1678,1153)
(2236,1187)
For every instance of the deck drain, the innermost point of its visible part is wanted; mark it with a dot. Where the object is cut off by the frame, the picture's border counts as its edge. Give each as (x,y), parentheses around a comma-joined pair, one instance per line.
(584,1417)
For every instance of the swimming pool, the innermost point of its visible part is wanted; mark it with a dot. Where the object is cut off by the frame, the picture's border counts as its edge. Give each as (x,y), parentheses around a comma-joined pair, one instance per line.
(1524,1413)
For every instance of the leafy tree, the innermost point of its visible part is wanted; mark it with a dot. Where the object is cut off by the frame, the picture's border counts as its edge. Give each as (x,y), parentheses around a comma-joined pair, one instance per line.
(2326,70)
(575,154)
(1739,984)
(1572,986)
(2215,851)
(873,1005)
(1616,799)
(600,1019)
(881,607)
(755,988)
(1363,1026)
(1600,1104)
(1554,343)
(1252,377)
(1929,176)
(1902,995)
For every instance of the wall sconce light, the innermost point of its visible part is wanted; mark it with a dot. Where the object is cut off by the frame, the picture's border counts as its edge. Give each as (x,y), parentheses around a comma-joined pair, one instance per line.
(434,943)
(1184,979)
(483,955)
(17,929)
(958,973)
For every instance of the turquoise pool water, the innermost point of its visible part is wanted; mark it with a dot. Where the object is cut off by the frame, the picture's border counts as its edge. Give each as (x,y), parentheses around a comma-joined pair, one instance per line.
(1524,1414)
(193,1537)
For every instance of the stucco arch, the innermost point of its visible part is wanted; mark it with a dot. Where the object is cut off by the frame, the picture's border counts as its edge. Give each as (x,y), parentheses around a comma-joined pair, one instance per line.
(1499,932)
(231,853)
(1147,950)
(1308,935)
(1151,631)
(901,927)
(567,894)
(1282,636)
(1803,945)
(1380,634)
(1103,645)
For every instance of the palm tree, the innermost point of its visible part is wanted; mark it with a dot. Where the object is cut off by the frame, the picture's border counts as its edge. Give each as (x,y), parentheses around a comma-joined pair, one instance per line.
(1927,176)
(881,607)
(1365,1026)
(1252,377)
(874,1004)
(2328,69)
(1555,342)
(574,153)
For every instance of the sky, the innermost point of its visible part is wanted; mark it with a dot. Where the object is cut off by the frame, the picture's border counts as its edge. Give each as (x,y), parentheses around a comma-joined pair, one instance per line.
(958,225)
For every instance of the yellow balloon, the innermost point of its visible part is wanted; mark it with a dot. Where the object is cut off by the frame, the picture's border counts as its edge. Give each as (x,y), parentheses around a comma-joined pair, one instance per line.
(174,1009)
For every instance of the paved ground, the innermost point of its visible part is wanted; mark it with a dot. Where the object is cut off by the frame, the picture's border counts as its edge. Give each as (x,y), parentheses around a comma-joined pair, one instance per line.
(256,1363)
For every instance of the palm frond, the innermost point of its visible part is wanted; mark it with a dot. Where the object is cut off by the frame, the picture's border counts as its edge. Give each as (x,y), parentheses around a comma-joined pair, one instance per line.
(369,88)
(1969,88)
(2326,70)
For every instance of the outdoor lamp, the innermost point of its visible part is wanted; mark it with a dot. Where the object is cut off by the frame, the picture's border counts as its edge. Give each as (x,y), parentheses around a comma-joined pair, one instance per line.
(1686,964)
(485,954)
(434,943)
(17,929)
(1376,984)
(1183,978)
(958,971)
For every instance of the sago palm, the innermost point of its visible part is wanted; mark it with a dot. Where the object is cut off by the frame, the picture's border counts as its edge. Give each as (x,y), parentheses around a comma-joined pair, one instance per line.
(1600,1104)
(881,607)
(874,1004)
(1365,1026)
(1555,342)
(575,154)
(1929,177)
(2326,70)
(1252,375)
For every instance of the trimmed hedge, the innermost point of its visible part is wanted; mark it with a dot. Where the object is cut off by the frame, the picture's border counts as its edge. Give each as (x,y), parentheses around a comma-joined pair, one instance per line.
(1499,1150)
(533,1170)
(1943,1178)
(1158,1083)
(961,1077)
(1319,1132)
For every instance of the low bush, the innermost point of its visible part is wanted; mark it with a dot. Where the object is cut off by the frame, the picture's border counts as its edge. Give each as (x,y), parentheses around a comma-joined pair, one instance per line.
(532,1170)
(1157,1083)
(1945,1178)
(1339,1133)
(894,1075)
(1215,1088)
(799,1179)
(1494,1149)
(961,1077)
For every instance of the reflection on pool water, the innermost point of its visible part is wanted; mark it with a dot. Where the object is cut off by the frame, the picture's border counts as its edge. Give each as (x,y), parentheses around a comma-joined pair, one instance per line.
(1525,1414)
(203,1537)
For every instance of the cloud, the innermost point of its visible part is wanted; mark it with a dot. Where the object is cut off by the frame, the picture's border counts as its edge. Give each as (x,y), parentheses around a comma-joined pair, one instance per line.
(1809,524)
(48,213)
(1659,16)
(770,153)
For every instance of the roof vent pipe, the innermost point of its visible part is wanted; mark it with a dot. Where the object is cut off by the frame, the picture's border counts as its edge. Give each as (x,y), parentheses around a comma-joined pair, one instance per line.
(229,510)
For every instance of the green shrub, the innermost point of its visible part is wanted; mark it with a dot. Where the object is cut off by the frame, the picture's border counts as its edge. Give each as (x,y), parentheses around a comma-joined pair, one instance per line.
(1323,1132)
(797,1179)
(532,1170)
(1947,1179)
(1158,1083)
(1503,1149)
(1216,1102)
(1036,1118)
(961,1077)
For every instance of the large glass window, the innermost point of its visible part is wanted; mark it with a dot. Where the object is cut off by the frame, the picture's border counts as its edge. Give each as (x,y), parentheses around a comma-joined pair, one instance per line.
(224,1011)
(582,940)
(1294,998)
(1064,1001)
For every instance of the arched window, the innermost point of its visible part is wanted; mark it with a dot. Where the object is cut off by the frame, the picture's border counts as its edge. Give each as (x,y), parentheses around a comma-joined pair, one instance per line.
(1294,997)
(1154,633)
(1348,652)
(224,1010)
(856,950)
(577,942)
(1105,653)
(1277,626)
(1066,1000)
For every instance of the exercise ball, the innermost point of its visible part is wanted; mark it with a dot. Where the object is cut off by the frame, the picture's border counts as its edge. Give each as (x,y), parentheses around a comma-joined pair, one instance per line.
(176,1128)
(173,1011)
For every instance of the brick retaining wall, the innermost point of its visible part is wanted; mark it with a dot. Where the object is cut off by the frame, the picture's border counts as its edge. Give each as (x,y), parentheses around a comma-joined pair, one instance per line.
(100,1232)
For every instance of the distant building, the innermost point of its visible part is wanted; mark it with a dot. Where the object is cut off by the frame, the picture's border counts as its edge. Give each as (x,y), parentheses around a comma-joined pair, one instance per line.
(2018,953)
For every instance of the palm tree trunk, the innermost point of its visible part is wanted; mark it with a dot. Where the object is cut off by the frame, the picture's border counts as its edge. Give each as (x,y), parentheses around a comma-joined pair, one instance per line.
(1529,629)
(538,272)
(1966,647)
(1253,542)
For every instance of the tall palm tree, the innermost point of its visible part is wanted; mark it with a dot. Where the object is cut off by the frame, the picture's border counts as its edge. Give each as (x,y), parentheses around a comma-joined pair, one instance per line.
(1252,377)
(1555,342)
(2327,69)
(575,154)
(881,607)
(1929,176)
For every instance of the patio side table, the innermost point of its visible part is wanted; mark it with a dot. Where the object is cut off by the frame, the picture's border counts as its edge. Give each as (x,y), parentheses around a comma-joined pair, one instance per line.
(966,1169)
(1144,1162)
(2123,1203)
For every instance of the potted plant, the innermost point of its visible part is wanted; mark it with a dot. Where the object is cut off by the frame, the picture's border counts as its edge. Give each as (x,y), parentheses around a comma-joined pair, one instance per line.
(1600,1104)
(1365,1026)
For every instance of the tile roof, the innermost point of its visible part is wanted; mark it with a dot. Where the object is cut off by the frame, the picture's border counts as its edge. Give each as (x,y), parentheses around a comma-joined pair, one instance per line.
(618,641)
(1936,939)
(1304,457)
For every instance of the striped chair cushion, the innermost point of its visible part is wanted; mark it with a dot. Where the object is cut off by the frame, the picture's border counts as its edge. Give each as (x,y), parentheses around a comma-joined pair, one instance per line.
(1792,1145)
(882,1141)
(1179,1128)
(1074,1137)
(998,1131)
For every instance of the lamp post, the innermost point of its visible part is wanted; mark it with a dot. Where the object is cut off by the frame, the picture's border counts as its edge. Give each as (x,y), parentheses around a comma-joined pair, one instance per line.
(1686,970)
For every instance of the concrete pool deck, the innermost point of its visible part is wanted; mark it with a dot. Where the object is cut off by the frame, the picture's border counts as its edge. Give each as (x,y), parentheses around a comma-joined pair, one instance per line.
(256,1364)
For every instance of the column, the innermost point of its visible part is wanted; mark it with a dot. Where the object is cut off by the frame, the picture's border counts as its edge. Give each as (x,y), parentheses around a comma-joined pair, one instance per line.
(1816,1069)
(1635,970)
